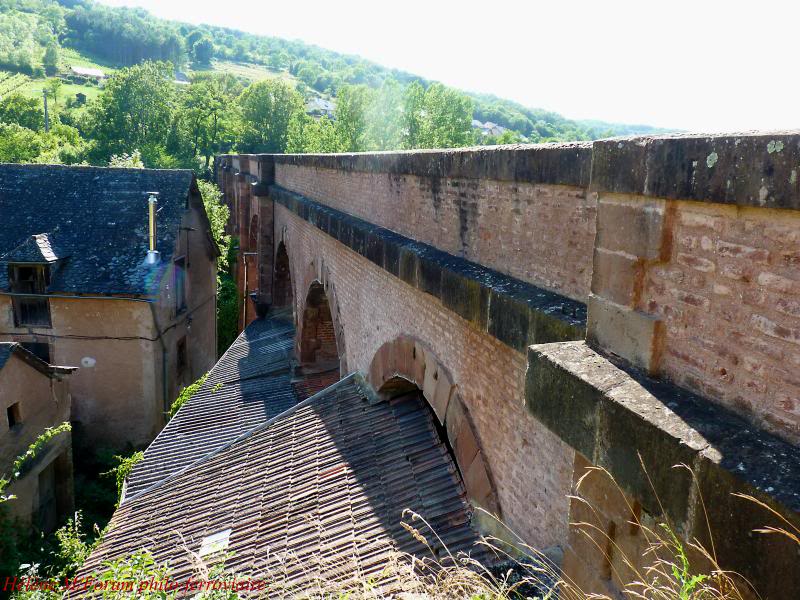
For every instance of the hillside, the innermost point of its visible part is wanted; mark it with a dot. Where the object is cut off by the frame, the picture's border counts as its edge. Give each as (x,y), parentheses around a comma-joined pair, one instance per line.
(46,37)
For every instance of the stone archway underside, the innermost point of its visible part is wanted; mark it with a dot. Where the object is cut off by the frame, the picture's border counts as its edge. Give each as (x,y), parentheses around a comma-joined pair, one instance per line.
(408,359)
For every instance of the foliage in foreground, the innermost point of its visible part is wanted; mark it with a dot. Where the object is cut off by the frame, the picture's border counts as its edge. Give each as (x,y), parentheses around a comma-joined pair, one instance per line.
(186,393)
(495,569)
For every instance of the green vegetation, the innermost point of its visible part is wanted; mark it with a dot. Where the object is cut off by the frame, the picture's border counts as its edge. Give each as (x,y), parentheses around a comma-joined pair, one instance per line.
(240,92)
(186,393)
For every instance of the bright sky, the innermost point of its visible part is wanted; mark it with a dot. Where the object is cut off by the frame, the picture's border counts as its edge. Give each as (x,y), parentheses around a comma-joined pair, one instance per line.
(700,65)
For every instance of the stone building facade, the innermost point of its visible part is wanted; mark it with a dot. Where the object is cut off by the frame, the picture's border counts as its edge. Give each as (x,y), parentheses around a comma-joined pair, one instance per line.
(76,288)
(34,396)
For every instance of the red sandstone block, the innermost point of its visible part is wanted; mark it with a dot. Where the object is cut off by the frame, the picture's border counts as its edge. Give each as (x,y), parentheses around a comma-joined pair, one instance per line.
(694,219)
(772,329)
(696,262)
(739,251)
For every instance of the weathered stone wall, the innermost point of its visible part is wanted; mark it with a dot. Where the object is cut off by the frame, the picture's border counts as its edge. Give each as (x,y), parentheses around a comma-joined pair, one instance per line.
(44,401)
(697,280)
(539,233)
(729,294)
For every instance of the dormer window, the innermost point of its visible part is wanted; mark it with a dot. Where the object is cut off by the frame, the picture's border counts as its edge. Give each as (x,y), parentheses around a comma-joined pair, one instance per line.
(33,279)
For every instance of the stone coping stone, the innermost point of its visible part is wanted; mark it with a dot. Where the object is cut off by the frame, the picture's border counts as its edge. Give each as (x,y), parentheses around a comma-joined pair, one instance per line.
(553,163)
(613,415)
(759,169)
(513,311)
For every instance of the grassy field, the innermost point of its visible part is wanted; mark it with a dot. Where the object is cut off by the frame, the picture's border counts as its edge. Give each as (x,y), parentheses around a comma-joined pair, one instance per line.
(247,71)
(32,87)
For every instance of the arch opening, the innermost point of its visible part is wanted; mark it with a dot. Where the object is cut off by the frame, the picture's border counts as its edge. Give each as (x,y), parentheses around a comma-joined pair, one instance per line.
(282,286)
(405,366)
(318,345)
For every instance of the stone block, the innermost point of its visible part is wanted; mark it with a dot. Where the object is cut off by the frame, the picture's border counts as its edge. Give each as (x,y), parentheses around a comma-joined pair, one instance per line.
(508,320)
(375,248)
(465,446)
(431,377)
(442,393)
(477,482)
(418,370)
(409,266)
(617,277)
(633,225)
(466,297)
(625,332)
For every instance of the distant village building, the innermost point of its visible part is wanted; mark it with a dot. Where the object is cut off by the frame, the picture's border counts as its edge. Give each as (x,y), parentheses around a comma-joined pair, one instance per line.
(320,107)
(88,72)
(79,284)
(488,128)
(34,395)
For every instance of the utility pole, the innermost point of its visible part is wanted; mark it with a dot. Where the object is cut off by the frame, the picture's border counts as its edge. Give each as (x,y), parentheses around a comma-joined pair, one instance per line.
(46,116)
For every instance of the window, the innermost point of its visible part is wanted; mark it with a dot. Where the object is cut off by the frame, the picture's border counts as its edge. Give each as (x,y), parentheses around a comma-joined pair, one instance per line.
(30,279)
(14,415)
(40,349)
(180,284)
(181,354)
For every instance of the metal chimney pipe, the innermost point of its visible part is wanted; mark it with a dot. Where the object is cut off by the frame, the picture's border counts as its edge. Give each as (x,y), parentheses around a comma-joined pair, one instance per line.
(152,205)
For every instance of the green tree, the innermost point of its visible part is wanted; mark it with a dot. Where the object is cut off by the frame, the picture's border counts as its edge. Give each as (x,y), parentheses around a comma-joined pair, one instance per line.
(23,111)
(50,60)
(203,50)
(352,103)
(209,114)
(134,112)
(446,119)
(413,115)
(53,87)
(311,135)
(267,109)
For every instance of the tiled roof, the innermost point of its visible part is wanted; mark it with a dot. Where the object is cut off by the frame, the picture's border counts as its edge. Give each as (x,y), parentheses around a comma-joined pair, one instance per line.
(317,490)
(250,384)
(98,219)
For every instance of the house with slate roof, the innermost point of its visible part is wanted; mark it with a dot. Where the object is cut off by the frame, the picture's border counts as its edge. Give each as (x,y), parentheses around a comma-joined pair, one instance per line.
(77,288)
(34,395)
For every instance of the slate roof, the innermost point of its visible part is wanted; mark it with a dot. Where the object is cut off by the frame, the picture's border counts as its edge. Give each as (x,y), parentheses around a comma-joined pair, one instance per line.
(7,349)
(250,384)
(316,490)
(93,220)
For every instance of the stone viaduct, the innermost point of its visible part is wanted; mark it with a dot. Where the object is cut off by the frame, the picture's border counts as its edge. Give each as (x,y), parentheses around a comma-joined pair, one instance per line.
(628,304)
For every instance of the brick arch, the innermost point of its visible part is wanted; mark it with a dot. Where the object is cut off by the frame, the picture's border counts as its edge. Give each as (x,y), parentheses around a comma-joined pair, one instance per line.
(318,275)
(410,360)
(282,278)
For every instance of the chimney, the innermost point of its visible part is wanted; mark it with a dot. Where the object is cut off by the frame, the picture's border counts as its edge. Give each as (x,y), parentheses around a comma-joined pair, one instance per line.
(152,206)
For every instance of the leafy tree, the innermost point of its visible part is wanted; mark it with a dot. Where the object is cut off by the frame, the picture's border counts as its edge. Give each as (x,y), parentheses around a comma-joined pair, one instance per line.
(447,119)
(413,115)
(352,103)
(267,109)
(50,60)
(24,111)
(311,135)
(128,161)
(18,144)
(209,116)
(135,111)
(203,50)
(53,87)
